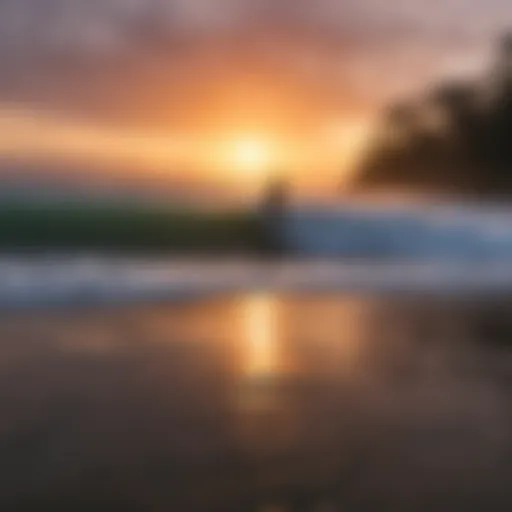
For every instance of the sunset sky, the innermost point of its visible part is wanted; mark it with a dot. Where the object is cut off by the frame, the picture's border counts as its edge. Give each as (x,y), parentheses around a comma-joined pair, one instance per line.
(222,92)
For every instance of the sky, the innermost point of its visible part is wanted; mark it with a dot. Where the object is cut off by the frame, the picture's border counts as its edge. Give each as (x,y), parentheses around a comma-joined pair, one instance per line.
(190,89)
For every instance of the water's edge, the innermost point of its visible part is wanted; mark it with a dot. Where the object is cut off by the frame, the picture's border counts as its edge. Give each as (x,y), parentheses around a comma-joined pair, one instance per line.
(100,280)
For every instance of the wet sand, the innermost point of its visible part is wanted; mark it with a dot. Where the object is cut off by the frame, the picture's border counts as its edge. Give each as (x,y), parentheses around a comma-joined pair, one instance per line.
(259,402)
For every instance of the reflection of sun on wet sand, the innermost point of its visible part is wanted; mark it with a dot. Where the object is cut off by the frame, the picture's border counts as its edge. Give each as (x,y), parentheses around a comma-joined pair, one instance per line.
(292,353)
(265,418)
(260,319)
(274,353)
(260,364)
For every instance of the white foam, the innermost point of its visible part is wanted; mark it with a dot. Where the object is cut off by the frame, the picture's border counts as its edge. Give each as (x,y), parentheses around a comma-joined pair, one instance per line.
(100,280)
(469,232)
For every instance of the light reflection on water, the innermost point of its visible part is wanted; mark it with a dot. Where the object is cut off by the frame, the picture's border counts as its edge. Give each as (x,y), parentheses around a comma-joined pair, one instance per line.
(267,324)
(260,401)
(259,314)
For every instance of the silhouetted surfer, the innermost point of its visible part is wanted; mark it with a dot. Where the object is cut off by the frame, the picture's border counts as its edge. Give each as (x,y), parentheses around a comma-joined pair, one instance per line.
(272,216)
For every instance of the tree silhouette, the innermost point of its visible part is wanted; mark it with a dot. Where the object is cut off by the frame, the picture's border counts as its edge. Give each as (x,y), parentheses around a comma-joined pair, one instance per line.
(470,151)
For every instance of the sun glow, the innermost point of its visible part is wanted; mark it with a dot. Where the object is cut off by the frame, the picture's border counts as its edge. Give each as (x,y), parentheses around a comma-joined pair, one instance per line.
(250,155)
(240,156)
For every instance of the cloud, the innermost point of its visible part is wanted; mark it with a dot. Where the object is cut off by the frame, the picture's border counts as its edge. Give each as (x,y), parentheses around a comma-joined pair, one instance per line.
(112,58)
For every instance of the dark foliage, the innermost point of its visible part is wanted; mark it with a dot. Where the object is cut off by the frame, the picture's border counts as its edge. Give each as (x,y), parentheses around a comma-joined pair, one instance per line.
(458,138)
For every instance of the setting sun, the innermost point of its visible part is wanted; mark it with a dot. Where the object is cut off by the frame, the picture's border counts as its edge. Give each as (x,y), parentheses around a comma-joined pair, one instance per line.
(250,155)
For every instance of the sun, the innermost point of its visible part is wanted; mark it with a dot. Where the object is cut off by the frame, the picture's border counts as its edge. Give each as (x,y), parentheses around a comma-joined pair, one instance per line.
(250,155)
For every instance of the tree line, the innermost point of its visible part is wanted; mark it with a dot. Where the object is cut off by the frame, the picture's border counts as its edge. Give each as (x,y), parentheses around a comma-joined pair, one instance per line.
(457,137)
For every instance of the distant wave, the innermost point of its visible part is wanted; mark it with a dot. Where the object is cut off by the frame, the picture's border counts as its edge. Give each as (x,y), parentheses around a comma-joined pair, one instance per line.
(425,232)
